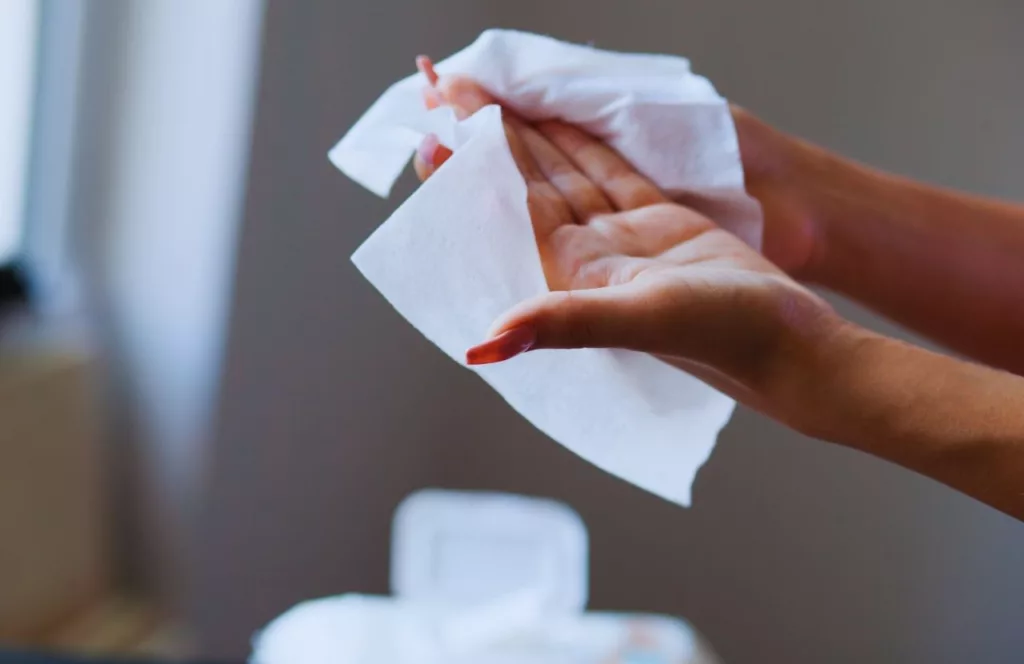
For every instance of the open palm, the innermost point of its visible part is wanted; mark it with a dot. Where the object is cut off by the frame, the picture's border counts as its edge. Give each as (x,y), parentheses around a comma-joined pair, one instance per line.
(626,267)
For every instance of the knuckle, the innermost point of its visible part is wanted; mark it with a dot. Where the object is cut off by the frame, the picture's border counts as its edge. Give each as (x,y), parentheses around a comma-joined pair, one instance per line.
(579,330)
(594,203)
(566,171)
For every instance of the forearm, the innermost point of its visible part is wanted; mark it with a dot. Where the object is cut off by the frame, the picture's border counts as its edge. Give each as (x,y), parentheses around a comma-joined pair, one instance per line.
(956,422)
(948,265)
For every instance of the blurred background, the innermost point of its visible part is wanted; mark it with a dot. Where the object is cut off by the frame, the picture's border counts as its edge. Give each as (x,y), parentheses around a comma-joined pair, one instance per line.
(207,416)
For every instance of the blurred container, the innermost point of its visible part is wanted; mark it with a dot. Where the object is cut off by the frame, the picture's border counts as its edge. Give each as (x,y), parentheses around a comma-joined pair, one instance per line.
(484,578)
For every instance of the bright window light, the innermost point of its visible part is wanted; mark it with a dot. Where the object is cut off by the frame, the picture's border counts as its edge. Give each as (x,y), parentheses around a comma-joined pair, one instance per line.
(18,32)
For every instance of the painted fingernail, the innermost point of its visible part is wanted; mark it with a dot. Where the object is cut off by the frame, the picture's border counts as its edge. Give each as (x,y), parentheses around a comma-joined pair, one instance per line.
(427,150)
(441,155)
(506,345)
(425,66)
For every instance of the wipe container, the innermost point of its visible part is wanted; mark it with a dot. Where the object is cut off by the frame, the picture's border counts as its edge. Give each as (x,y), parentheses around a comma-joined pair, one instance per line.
(486,578)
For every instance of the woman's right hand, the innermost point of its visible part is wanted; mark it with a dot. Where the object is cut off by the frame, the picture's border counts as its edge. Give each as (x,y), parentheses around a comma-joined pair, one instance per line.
(775,165)
(776,170)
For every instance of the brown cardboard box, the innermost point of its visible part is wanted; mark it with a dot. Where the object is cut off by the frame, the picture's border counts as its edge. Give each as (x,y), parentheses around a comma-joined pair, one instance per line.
(53,534)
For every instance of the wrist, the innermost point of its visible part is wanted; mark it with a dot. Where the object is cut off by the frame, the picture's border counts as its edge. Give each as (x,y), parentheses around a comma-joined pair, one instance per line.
(839,197)
(809,372)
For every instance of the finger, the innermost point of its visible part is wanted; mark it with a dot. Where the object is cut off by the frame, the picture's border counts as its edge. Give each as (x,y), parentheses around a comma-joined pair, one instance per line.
(426,67)
(423,171)
(548,209)
(613,317)
(615,176)
(503,346)
(467,97)
(430,155)
(432,98)
(463,94)
(518,340)
(736,333)
(661,324)
(582,195)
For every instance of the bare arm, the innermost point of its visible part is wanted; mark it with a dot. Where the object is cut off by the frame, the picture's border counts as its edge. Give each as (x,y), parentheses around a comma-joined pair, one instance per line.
(956,422)
(628,269)
(943,263)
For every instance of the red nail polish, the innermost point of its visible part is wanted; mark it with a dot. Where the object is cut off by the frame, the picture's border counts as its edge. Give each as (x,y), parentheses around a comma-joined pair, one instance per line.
(441,155)
(505,346)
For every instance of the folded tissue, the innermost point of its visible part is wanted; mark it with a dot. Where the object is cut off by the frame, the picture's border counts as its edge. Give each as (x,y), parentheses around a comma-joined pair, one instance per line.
(460,251)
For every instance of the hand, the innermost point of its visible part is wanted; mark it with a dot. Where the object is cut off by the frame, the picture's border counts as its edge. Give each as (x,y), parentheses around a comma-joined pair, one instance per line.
(774,166)
(628,268)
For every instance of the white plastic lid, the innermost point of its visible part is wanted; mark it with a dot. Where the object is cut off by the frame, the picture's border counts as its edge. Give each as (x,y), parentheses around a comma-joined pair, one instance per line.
(464,548)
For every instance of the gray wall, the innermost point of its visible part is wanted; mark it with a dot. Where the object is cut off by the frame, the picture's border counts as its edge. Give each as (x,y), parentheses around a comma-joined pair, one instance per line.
(332,408)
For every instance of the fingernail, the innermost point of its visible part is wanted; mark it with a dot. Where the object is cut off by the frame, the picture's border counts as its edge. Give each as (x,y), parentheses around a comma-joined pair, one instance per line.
(506,345)
(441,155)
(427,149)
(425,66)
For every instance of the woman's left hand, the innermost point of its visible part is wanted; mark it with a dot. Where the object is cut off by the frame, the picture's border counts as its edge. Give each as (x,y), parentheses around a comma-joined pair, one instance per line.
(628,268)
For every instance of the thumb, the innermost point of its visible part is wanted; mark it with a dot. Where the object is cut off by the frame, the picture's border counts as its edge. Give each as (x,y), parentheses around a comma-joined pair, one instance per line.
(610,317)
